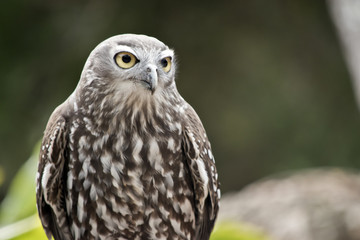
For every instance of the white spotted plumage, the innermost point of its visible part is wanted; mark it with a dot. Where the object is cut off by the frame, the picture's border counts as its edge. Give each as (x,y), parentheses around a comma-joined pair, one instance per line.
(125,157)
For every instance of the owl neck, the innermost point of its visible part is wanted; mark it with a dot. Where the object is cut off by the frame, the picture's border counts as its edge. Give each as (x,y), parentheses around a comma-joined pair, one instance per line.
(144,113)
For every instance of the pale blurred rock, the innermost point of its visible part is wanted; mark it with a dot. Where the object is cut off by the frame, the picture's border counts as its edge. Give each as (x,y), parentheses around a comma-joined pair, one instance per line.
(322,204)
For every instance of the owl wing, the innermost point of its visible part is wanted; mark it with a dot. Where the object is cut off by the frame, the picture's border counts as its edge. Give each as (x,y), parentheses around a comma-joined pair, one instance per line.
(51,180)
(201,163)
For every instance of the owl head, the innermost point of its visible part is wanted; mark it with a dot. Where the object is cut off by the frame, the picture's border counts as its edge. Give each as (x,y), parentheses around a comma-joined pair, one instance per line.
(127,64)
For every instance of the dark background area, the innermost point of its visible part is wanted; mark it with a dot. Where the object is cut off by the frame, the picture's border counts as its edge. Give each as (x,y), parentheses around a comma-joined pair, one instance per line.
(267,78)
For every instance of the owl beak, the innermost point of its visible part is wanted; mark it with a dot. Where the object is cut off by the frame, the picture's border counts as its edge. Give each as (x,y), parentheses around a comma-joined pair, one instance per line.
(151,78)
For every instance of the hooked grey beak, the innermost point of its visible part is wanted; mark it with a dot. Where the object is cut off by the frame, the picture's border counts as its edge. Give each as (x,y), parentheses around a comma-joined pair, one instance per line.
(151,78)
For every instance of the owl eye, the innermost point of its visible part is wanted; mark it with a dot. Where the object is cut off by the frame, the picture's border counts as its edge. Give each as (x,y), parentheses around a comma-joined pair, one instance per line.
(166,64)
(125,60)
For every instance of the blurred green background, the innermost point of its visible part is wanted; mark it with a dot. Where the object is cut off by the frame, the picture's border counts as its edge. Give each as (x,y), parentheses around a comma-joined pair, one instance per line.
(267,78)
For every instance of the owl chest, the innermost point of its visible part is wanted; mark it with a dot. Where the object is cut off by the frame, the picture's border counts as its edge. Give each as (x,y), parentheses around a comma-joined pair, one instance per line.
(129,181)
(126,159)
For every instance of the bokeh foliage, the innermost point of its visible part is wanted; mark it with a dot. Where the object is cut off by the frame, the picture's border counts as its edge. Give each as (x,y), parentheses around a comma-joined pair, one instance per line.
(18,215)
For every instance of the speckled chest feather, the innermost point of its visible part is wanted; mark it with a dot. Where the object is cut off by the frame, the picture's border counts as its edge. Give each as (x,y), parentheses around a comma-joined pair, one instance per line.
(130,179)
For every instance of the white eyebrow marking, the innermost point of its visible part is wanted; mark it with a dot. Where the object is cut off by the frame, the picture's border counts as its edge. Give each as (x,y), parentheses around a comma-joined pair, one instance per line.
(124,48)
(167,53)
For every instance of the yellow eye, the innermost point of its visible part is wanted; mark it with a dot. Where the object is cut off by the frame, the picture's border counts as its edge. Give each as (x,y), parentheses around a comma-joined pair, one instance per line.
(166,64)
(125,60)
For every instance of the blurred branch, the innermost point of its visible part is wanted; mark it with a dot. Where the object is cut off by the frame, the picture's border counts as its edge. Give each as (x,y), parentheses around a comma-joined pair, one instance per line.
(346,16)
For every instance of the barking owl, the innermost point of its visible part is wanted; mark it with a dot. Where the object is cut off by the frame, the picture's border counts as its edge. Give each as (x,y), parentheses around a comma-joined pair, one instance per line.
(125,156)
